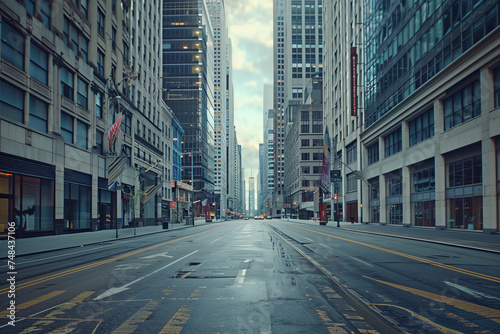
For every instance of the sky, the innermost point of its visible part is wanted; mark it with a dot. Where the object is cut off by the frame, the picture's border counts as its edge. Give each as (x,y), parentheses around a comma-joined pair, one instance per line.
(250,26)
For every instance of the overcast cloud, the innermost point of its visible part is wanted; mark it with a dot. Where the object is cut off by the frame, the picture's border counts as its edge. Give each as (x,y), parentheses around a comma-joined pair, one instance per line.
(250,25)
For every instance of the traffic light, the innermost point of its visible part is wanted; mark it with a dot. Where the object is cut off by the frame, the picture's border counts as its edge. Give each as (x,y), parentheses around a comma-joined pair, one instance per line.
(335,196)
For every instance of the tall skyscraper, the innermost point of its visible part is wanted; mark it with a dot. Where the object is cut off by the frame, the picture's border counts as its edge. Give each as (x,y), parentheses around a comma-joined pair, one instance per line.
(251,196)
(188,70)
(343,104)
(222,65)
(267,178)
(298,54)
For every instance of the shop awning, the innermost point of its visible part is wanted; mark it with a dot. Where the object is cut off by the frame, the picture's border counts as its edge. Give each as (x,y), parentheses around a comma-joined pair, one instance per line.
(116,168)
(152,191)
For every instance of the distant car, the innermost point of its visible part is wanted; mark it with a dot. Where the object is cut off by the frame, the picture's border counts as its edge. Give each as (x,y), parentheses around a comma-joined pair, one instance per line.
(269,217)
(246,218)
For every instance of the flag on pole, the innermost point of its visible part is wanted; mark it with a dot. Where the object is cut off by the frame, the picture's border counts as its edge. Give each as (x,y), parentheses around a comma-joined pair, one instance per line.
(205,201)
(325,171)
(113,132)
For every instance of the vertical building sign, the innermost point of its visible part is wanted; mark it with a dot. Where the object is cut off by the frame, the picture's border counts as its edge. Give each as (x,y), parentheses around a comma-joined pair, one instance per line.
(354,106)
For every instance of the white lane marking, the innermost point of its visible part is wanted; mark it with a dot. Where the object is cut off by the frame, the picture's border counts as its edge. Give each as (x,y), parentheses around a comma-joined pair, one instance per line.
(156,255)
(240,278)
(469,291)
(216,240)
(113,291)
(352,257)
(319,243)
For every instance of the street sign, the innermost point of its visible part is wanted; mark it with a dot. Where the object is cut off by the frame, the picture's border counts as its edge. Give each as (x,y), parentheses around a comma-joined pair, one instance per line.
(335,176)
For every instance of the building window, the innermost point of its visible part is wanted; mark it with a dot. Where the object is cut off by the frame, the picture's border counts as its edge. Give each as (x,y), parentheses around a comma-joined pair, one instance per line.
(497,87)
(100,22)
(465,172)
(462,106)
(394,185)
(422,127)
(304,122)
(374,188)
(38,64)
(127,124)
(77,206)
(98,104)
(84,48)
(351,152)
(99,141)
(66,83)
(81,134)
(305,183)
(317,156)
(45,11)
(317,122)
(423,180)
(12,46)
(424,213)
(82,93)
(317,142)
(352,184)
(393,143)
(30,6)
(373,153)
(11,102)
(84,8)
(317,169)
(305,170)
(37,196)
(67,127)
(100,63)
(466,213)
(395,213)
(38,114)
(305,142)
(305,156)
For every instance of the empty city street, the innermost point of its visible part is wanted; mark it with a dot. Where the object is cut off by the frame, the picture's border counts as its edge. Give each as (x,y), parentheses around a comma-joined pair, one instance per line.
(272,276)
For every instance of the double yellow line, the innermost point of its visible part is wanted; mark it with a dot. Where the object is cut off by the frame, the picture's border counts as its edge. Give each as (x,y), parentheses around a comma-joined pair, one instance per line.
(416,258)
(96,264)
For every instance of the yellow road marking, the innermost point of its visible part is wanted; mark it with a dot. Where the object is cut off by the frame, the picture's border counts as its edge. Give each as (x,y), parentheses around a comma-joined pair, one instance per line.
(138,318)
(181,317)
(58,311)
(32,302)
(174,325)
(416,258)
(487,312)
(96,264)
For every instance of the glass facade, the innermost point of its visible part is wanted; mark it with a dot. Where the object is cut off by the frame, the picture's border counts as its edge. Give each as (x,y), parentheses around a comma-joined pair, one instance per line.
(28,201)
(188,68)
(409,43)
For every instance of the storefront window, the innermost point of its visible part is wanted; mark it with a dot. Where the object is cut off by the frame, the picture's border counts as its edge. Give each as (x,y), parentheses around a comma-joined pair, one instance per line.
(424,213)
(77,206)
(466,213)
(395,213)
(34,204)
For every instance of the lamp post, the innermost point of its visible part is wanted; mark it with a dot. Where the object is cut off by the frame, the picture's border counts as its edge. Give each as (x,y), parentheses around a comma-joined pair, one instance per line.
(190,154)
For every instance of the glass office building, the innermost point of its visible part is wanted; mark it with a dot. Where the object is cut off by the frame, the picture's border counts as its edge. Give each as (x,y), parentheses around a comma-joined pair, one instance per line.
(408,42)
(189,86)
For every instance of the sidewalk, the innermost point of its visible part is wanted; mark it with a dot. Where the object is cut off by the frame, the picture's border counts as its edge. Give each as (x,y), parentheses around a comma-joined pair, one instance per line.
(466,239)
(55,242)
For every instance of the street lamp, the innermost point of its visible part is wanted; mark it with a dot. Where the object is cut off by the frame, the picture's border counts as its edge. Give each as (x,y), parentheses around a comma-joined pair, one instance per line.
(192,181)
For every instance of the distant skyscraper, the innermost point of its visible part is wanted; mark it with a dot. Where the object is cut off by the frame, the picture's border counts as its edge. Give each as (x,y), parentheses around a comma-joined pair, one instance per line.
(251,195)
(298,55)
(222,103)
(188,70)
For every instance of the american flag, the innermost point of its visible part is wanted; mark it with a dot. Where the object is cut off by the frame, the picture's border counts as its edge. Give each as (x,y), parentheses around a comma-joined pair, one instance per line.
(113,132)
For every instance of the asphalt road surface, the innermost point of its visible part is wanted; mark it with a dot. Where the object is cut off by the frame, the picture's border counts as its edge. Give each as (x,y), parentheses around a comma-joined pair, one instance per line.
(255,277)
